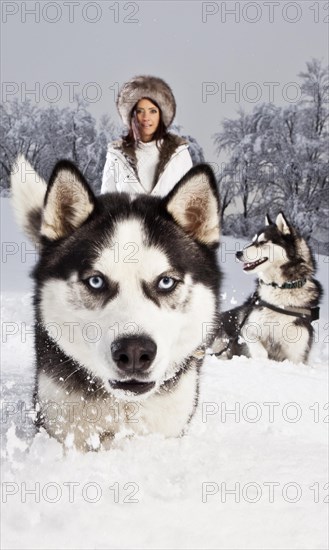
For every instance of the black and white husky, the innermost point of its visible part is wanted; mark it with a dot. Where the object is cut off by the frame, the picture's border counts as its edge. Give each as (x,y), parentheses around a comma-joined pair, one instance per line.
(125,297)
(275,322)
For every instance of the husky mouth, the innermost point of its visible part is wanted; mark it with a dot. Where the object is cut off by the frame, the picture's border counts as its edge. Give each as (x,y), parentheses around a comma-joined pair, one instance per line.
(132,386)
(248,266)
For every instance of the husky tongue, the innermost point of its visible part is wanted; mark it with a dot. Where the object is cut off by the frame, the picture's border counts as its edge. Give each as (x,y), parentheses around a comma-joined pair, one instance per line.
(251,265)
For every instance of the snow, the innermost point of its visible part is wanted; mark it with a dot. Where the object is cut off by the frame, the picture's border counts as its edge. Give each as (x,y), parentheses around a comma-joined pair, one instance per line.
(152,492)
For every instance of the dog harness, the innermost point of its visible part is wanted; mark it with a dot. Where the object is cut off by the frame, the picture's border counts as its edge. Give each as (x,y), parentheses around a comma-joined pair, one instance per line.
(309,314)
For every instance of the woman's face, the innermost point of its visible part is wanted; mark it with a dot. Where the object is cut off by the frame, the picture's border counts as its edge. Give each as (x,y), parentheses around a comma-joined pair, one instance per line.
(148,118)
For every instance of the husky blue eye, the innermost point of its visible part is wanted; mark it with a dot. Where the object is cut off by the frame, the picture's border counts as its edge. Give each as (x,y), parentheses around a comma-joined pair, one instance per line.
(166,283)
(96,282)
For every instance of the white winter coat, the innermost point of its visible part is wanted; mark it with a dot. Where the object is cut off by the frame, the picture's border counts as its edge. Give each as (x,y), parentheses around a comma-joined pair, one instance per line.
(120,170)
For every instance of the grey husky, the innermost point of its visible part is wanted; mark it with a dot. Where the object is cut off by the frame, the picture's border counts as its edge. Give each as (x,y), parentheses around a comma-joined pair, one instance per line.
(275,322)
(126,289)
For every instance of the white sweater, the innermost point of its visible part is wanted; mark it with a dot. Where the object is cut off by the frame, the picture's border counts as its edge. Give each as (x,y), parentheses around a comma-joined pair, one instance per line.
(147,159)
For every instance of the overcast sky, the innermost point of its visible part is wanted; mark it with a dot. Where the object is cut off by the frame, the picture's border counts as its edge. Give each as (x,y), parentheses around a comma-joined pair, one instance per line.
(203,50)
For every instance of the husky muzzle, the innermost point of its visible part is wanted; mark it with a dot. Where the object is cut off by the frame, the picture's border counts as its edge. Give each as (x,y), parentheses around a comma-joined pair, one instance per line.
(133,356)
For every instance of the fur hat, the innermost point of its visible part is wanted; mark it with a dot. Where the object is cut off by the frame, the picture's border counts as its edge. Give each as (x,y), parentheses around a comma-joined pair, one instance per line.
(146,86)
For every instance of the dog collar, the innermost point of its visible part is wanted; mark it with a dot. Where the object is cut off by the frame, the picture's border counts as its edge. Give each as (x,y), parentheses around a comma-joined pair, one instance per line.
(289,284)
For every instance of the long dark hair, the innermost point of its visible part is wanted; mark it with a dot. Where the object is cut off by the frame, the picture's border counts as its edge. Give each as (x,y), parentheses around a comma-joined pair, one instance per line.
(133,136)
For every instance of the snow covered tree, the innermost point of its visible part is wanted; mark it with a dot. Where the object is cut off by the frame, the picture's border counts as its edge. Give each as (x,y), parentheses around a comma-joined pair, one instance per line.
(47,135)
(242,180)
(295,150)
(20,123)
(278,160)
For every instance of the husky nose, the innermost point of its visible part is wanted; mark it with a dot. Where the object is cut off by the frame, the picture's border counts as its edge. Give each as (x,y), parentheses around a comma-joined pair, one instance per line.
(133,354)
(239,254)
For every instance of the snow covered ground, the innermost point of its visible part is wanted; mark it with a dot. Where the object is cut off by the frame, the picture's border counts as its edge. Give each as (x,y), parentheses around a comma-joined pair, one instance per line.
(255,479)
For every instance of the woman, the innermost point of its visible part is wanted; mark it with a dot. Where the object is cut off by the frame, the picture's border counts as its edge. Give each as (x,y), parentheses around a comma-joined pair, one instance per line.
(148,159)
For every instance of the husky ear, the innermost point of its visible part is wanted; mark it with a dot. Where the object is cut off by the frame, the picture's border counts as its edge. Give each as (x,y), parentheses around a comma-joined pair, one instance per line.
(28,192)
(282,224)
(69,201)
(268,220)
(194,204)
